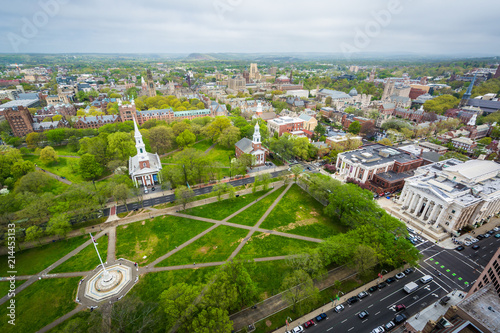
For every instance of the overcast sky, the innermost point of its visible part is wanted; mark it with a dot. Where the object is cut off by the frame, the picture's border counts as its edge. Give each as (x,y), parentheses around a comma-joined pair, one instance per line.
(451,27)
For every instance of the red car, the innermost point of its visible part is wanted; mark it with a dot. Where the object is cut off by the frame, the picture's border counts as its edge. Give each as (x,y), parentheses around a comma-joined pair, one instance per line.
(308,324)
(400,307)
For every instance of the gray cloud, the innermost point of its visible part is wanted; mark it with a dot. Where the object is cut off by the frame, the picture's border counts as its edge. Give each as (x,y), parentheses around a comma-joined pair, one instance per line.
(154,26)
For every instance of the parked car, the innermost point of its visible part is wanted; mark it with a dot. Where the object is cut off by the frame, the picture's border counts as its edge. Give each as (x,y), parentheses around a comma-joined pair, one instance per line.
(497,236)
(373,289)
(496,229)
(382,285)
(309,323)
(408,271)
(410,230)
(474,240)
(362,295)
(321,317)
(467,243)
(379,329)
(363,314)
(479,237)
(339,308)
(399,318)
(353,299)
(389,326)
(475,247)
(491,232)
(459,248)
(400,307)
(298,329)
(399,276)
(390,280)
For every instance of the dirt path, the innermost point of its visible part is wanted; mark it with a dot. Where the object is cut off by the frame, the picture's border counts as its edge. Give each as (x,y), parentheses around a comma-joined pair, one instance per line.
(53,175)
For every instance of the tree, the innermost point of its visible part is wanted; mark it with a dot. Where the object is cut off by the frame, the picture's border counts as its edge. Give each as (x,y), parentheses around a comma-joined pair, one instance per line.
(73,143)
(440,104)
(132,315)
(121,145)
(301,148)
(348,202)
(89,167)
(32,140)
(59,225)
(320,130)
(34,233)
(160,139)
(485,141)
(296,170)
(219,190)
(215,128)
(56,135)
(265,179)
(121,193)
(184,195)
(364,258)
(48,155)
(186,139)
(231,192)
(298,286)
(212,320)
(453,154)
(385,141)
(229,136)
(354,127)
(367,128)
(21,168)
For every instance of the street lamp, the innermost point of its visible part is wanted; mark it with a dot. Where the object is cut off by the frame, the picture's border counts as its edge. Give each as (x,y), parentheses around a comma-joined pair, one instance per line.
(229,167)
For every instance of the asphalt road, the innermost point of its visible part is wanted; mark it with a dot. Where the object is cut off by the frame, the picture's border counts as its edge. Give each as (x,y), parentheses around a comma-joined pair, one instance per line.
(171,197)
(459,270)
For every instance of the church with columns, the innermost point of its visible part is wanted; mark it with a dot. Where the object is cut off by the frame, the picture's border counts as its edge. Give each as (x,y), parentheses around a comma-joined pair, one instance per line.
(254,147)
(452,194)
(144,168)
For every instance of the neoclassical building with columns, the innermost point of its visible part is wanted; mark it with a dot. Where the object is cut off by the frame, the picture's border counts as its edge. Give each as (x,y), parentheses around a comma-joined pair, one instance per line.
(452,194)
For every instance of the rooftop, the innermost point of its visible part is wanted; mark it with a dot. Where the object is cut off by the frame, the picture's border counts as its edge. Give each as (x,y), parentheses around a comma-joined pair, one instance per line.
(484,306)
(375,154)
(20,102)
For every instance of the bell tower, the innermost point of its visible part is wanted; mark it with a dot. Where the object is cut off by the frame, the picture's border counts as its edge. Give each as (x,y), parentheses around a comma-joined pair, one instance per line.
(256,143)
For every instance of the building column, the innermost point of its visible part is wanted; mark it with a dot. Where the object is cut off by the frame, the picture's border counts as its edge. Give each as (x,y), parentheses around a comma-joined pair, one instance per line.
(426,209)
(418,206)
(440,217)
(409,195)
(413,201)
(434,212)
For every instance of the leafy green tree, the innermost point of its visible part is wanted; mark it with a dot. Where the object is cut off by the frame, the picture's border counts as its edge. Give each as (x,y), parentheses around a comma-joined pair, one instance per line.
(265,179)
(231,192)
(32,140)
(121,193)
(440,104)
(73,144)
(56,135)
(212,320)
(160,139)
(364,258)
(184,195)
(298,286)
(454,154)
(186,139)
(296,170)
(219,190)
(48,155)
(347,203)
(121,145)
(301,148)
(89,167)
(485,141)
(320,130)
(386,142)
(59,225)
(22,168)
(34,233)
(354,127)
(216,127)
(229,136)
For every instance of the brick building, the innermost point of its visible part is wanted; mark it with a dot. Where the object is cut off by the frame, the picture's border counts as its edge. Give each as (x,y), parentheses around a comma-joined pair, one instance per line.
(283,125)
(20,120)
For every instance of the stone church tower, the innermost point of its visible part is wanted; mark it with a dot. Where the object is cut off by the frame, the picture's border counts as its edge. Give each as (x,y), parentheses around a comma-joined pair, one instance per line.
(151,84)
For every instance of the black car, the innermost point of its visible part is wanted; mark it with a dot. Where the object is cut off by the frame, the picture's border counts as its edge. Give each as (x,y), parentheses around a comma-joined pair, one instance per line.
(491,232)
(399,318)
(408,271)
(382,285)
(459,248)
(390,280)
(320,317)
(373,289)
(479,237)
(475,247)
(353,299)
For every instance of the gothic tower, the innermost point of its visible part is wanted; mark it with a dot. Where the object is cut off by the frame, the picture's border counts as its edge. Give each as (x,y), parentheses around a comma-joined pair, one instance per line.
(151,85)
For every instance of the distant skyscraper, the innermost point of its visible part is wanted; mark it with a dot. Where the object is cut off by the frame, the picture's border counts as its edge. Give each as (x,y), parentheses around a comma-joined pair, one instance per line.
(151,84)
(254,72)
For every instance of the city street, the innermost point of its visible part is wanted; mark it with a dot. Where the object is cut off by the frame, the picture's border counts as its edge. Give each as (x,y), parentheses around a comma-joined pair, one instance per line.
(459,270)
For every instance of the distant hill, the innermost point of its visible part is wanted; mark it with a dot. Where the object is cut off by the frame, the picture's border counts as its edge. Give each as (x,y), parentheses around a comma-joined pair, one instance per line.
(199,56)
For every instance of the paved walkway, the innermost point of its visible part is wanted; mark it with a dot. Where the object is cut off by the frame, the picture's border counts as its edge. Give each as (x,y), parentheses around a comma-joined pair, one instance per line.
(111,244)
(256,226)
(53,175)
(210,148)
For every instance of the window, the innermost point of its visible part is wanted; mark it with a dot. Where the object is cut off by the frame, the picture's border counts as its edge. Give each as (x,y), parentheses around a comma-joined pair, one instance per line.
(141,150)
(144,164)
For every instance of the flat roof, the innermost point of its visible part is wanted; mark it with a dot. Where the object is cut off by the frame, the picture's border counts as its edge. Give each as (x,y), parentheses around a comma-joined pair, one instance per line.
(375,154)
(483,306)
(19,102)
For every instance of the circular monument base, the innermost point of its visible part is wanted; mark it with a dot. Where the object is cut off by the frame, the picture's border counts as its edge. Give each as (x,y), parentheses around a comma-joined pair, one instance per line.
(104,285)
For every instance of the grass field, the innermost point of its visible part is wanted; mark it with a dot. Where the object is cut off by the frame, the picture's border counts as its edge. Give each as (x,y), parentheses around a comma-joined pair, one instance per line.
(299,213)
(154,238)
(5,286)
(64,150)
(262,245)
(86,259)
(268,276)
(217,245)
(221,154)
(252,215)
(34,260)
(40,304)
(65,167)
(219,210)
(203,145)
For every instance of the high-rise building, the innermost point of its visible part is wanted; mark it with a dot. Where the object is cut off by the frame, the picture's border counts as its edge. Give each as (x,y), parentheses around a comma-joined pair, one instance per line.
(254,72)
(490,274)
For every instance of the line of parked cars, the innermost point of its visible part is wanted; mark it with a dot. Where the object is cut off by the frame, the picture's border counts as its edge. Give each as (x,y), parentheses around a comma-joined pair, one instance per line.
(308,324)
(468,241)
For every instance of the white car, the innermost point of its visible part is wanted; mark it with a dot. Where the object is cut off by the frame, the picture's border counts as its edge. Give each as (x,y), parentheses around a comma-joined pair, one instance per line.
(379,329)
(399,276)
(467,243)
(298,329)
(474,240)
(496,229)
(486,235)
(339,308)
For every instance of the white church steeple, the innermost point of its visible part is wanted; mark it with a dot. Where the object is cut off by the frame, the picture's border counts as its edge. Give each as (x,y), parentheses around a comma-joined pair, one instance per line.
(256,134)
(139,143)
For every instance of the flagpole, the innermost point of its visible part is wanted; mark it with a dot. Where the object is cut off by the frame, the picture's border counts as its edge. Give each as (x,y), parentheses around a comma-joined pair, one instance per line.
(106,274)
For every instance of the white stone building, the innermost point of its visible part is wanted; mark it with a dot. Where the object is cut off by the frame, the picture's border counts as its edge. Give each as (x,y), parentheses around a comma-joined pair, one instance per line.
(452,194)
(144,168)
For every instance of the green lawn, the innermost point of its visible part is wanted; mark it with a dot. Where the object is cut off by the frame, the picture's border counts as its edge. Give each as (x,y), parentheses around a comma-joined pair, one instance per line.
(222,154)
(34,260)
(268,276)
(5,286)
(64,150)
(252,215)
(203,145)
(154,238)
(40,304)
(262,245)
(217,245)
(86,259)
(219,210)
(65,167)
(299,213)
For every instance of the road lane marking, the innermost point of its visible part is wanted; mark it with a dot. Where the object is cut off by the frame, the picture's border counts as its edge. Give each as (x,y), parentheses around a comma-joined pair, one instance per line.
(364,321)
(377,313)
(435,280)
(350,329)
(343,321)
(331,328)
(370,306)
